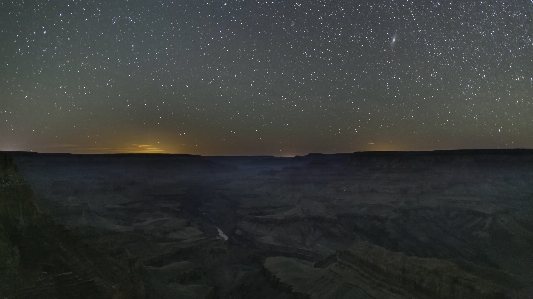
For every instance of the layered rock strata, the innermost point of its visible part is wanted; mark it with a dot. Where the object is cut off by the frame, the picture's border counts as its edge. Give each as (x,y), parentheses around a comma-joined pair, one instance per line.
(370,271)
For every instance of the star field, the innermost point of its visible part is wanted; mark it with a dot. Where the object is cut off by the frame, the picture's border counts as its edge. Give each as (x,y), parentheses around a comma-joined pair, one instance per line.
(265,77)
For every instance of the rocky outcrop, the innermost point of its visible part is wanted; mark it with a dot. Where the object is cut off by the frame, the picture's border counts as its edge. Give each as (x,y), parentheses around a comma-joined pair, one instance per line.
(434,277)
(41,259)
(370,271)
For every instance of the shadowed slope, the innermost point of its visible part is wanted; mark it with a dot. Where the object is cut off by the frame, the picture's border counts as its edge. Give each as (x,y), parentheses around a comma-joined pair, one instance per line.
(40,259)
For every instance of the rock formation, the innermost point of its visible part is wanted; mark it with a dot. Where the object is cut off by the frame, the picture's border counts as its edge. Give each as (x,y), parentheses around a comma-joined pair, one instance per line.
(369,271)
(41,259)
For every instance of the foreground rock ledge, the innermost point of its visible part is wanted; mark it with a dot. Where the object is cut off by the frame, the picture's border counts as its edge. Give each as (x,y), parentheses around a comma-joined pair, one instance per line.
(370,271)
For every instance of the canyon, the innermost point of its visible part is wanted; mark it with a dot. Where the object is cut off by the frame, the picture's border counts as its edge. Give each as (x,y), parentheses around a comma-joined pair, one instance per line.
(441,224)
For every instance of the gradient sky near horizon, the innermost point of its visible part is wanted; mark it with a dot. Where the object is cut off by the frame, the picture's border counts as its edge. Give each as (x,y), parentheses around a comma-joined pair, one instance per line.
(271,77)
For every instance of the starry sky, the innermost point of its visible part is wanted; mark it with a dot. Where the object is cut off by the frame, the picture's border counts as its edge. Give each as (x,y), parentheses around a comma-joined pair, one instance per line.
(246,77)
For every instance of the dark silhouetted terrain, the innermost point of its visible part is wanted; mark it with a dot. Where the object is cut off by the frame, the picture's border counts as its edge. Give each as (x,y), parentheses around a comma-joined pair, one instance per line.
(443,224)
(39,258)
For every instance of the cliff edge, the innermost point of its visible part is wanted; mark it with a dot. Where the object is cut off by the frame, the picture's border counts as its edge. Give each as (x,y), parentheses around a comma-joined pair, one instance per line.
(41,259)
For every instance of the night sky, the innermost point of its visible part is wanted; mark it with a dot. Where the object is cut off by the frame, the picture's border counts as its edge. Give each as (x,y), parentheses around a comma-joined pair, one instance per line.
(243,77)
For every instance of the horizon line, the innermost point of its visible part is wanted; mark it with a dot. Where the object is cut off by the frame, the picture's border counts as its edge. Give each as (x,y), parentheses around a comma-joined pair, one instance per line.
(268,155)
